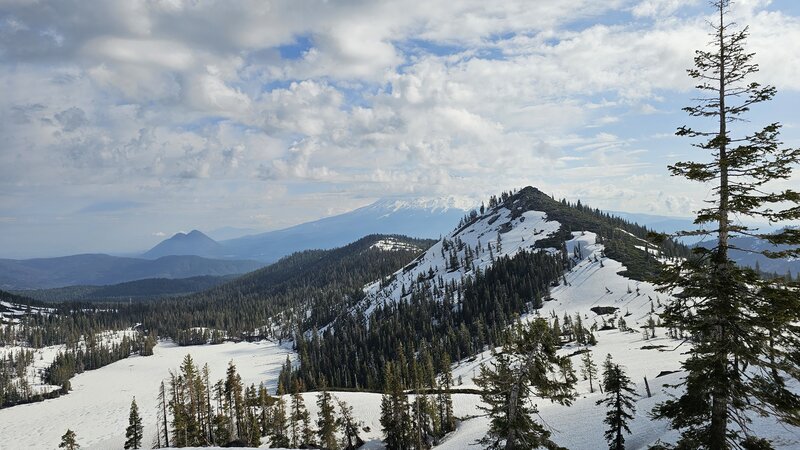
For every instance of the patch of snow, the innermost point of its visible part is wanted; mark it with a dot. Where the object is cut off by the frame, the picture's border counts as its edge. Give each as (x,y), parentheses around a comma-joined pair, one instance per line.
(393,245)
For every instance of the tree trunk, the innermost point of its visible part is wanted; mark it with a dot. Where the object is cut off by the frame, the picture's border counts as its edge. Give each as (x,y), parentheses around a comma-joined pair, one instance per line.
(511,439)
(719,407)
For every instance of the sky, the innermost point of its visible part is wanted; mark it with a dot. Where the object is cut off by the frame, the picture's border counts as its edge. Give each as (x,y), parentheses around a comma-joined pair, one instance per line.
(123,122)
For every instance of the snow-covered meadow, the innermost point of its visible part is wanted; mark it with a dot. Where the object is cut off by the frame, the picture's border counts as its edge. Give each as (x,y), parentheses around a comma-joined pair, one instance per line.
(97,407)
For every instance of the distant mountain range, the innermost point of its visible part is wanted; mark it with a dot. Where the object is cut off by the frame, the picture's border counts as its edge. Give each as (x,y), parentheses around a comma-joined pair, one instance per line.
(747,256)
(100,269)
(423,218)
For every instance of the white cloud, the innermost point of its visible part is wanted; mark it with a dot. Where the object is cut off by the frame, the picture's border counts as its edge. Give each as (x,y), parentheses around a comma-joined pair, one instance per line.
(180,104)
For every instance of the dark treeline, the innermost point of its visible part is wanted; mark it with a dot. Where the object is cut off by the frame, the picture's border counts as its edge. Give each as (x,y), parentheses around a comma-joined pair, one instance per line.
(195,411)
(454,319)
(138,290)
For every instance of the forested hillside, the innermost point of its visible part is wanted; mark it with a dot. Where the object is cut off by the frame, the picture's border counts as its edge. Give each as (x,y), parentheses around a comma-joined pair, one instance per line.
(458,298)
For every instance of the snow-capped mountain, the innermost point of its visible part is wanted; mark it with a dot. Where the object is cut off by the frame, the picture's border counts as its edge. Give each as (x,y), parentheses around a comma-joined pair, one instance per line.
(493,235)
(424,218)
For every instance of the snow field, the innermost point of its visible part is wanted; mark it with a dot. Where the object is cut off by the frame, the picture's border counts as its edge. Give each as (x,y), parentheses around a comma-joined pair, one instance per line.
(97,407)
(580,426)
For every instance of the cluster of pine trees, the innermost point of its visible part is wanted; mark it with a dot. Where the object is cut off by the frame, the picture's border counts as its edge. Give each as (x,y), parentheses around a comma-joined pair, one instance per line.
(93,353)
(193,411)
(528,366)
(15,388)
(421,421)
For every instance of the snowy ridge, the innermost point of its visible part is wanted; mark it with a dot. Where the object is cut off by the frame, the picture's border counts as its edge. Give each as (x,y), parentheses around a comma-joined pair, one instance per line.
(472,247)
(594,281)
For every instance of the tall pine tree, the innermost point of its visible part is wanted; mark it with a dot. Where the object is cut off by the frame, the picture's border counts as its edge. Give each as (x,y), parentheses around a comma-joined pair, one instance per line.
(619,401)
(743,327)
(133,434)
(326,420)
(349,426)
(279,437)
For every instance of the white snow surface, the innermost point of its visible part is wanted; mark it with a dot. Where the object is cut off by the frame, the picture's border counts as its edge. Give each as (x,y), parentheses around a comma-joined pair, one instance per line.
(391,244)
(98,405)
(525,231)
(595,281)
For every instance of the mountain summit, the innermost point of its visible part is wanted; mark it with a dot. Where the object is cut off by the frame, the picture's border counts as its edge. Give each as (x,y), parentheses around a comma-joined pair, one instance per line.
(192,243)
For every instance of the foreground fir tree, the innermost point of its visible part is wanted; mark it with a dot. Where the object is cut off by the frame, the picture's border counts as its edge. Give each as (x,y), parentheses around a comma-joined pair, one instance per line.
(743,327)
(527,365)
(395,419)
(69,441)
(620,404)
(279,436)
(133,434)
(326,420)
(444,398)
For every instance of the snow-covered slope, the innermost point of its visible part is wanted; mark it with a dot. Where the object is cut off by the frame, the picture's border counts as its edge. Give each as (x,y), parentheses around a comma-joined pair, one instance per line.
(471,247)
(591,284)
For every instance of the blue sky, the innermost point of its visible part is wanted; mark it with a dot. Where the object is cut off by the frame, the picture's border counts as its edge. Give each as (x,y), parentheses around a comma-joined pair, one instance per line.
(124,122)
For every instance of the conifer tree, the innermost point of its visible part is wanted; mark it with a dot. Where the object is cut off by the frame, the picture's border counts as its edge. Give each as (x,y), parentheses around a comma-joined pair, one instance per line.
(299,418)
(445,399)
(589,369)
(162,400)
(69,441)
(279,436)
(235,401)
(133,434)
(395,418)
(349,426)
(620,404)
(326,420)
(528,364)
(743,326)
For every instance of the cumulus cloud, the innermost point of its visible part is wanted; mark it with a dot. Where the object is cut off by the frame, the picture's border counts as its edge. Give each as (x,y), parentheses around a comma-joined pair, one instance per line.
(190,107)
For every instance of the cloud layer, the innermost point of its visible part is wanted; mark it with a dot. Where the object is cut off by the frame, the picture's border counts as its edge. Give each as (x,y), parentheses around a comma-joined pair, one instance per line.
(121,119)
